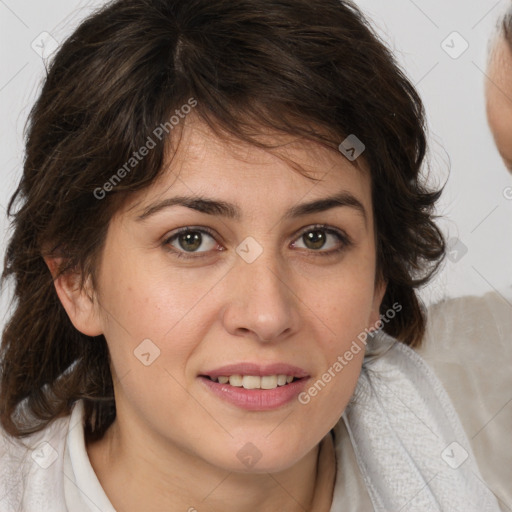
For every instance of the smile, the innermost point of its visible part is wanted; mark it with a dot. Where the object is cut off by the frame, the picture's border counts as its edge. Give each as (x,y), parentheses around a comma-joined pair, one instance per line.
(254,387)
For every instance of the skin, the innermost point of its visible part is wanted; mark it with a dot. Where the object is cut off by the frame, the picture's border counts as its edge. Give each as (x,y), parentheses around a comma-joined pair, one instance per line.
(174,444)
(498,93)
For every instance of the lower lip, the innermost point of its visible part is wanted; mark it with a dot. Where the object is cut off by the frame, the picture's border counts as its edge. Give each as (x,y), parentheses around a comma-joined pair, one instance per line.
(256,399)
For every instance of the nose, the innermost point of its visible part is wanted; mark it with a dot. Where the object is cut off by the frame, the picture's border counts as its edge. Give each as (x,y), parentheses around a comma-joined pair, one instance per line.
(262,303)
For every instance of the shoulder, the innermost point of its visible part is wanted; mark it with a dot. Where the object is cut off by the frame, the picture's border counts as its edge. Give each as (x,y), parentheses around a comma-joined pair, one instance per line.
(32,469)
(468,344)
(486,318)
(405,430)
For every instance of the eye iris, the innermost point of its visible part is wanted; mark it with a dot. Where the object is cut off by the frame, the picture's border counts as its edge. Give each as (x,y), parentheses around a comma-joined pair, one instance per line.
(314,239)
(190,241)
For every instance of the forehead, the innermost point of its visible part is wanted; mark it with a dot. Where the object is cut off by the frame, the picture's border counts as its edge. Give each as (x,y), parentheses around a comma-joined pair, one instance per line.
(203,162)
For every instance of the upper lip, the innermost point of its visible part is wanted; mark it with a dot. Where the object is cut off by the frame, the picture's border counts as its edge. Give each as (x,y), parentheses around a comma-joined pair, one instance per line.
(257,369)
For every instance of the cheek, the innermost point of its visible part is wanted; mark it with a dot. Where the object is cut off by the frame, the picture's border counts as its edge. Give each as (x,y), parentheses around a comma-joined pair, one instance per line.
(345,310)
(350,299)
(349,320)
(348,313)
(152,329)
(141,300)
(327,395)
(147,327)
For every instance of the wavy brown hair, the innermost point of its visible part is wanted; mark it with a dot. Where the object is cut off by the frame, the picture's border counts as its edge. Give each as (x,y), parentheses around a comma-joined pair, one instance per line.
(313,69)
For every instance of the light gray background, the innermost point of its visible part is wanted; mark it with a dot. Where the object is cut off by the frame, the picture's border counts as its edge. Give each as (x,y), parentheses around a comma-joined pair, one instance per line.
(475,208)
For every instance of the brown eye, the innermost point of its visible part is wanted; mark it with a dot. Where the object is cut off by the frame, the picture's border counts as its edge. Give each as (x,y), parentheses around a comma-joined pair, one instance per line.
(314,239)
(323,240)
(191,241)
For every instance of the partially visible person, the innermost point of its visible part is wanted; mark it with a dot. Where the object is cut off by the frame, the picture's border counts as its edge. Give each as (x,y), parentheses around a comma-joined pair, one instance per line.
(469,340)
(498,89)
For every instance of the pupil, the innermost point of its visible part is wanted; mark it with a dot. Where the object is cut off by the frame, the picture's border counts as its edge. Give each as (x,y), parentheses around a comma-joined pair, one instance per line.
(314,239)
(190,241)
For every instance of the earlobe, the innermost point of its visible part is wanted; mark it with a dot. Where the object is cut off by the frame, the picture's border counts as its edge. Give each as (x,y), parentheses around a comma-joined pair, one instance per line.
(78,301)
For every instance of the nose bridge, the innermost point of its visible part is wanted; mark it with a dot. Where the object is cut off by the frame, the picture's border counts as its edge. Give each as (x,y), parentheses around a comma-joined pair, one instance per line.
(262,302)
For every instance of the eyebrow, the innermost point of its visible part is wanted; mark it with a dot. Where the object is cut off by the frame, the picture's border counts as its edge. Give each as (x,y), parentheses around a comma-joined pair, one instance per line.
(232,211)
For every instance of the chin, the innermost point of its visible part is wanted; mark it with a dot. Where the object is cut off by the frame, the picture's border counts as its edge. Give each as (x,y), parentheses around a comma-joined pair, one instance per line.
(259,457)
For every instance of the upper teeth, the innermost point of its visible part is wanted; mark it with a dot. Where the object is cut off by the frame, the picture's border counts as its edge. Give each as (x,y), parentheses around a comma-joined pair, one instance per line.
(255,382)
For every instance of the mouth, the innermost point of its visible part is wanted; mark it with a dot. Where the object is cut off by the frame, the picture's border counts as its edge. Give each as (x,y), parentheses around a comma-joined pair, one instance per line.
(254,387)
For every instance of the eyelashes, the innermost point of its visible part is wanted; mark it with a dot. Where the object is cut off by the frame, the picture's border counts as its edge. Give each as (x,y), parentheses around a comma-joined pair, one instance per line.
(185,242)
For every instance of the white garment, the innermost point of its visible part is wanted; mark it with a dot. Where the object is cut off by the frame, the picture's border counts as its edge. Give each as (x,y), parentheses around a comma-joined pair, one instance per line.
(400,422)
(53,474)
(410,446)
(468,344)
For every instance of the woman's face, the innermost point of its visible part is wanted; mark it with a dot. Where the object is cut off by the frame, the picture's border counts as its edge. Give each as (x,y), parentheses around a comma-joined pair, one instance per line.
(275,276)
(499,99)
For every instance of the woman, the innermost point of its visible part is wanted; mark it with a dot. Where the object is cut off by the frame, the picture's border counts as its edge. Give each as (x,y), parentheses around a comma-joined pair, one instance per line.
(183,341)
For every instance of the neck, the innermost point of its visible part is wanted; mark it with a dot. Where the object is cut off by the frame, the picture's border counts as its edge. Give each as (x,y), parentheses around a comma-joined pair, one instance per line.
(138,477)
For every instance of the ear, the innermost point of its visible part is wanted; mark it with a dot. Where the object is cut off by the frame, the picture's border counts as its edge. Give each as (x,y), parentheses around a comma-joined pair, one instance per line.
(378,295)
(79,302)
